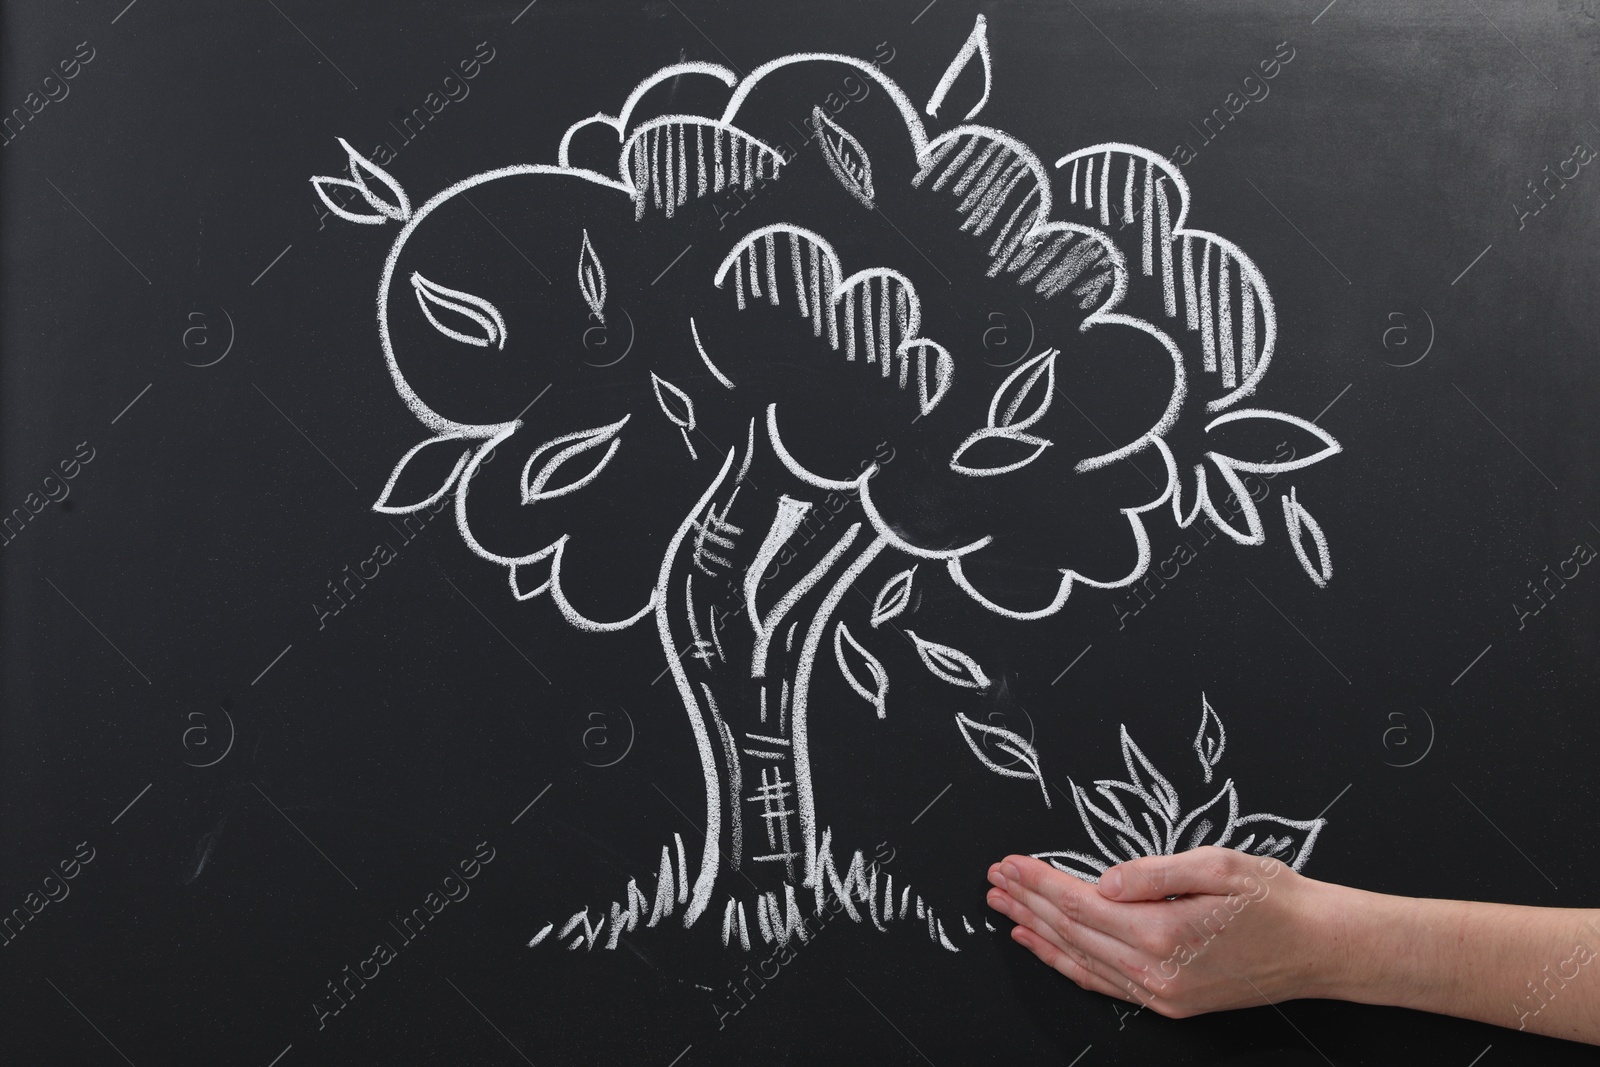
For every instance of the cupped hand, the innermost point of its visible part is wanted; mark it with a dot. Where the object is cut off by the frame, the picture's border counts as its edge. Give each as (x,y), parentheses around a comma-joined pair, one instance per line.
(1201,931)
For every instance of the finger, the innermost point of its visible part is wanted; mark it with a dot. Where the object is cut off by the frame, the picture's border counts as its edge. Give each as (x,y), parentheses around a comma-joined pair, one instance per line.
(1093,950)
(1042,887)
(1063,962)
(1201,870)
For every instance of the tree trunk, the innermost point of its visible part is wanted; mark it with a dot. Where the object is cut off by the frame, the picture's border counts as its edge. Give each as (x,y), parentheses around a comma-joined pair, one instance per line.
(748,590)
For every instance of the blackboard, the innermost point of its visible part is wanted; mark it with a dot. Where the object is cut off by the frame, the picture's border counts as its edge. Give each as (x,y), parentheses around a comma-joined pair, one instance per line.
(899,375)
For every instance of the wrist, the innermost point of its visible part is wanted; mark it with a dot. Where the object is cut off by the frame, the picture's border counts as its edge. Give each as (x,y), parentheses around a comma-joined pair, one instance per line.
(1343,925)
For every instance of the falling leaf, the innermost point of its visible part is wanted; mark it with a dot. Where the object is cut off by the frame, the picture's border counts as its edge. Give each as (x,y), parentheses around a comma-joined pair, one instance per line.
(846,158)
(1006,741)
(592,279)
(550,457)
(1007,449)
(1025,394)
(878,690)
(950,664)
(680,409)
(482,315)
(424,463)
(892,598)
(1211,738)
(1299,523)
(977,43)
(1264,426)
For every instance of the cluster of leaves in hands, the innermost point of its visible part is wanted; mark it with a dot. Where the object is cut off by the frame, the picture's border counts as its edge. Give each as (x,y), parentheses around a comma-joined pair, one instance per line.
(1143,816)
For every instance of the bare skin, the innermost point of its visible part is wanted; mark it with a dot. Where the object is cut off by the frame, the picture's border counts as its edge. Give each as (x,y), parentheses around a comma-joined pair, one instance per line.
(1242,931)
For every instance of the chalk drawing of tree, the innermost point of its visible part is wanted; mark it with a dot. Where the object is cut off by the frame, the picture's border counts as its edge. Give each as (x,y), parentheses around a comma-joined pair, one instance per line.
(724,478)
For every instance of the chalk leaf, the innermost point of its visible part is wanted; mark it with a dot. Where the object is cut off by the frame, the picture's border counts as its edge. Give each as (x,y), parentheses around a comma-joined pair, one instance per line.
(1212,823)
(950,664)
(1288,840)
(1211,738)
(592,279)
(989,452)
(549,459)
(845,157)
(860,668)
(675,403)
(1007,741)
(424,474)
(976,45)
(1301,525)
(460,316)
(892,599)
(1025,395)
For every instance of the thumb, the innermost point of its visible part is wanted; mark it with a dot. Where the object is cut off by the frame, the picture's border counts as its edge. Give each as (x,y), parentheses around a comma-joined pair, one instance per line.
(1201,870)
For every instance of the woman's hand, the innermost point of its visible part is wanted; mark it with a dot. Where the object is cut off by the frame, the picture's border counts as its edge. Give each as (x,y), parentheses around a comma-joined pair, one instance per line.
(1242,930)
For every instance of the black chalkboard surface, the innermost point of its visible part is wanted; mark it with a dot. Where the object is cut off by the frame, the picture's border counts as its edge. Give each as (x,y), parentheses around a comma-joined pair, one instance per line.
(897,435)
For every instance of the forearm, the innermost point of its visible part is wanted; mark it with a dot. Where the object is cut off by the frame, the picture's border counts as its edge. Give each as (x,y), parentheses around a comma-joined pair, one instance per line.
(1531,968)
